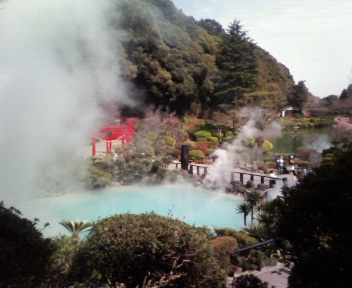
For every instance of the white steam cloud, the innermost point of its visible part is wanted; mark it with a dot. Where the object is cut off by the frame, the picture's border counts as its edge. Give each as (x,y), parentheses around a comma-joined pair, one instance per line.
(58,61)
(239,152)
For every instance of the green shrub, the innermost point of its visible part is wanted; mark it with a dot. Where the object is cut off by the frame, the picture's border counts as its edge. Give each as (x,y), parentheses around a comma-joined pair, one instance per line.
(201,140)
(182,135)
(130,171)
(313,122)
(103,163)
(193,121)
(98,178)
(191,144)
(195,154)
(223,246)
(192,124)
(203,134)
(157,173)
(242,237)
(133,248)
(208,126)
(24,253)
(166,160)
(214,140)
(61,260)
(252,260)
(267,146)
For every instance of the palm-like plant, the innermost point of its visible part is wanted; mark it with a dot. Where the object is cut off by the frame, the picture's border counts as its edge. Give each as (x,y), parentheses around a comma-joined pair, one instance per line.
(75,227)
(254,199)
(245,209)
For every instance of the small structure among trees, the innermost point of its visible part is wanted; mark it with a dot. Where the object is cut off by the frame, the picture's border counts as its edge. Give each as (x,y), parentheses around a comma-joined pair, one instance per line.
(289,111)
(110,133)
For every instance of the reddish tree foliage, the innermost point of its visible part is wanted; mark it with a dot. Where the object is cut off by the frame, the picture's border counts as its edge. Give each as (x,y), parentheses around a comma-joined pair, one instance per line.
(343,125)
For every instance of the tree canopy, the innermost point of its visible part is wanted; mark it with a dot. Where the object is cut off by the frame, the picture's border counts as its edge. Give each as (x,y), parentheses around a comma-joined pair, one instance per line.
(313,216)
(299,96)
(237,67)
(24,253)
(190,66)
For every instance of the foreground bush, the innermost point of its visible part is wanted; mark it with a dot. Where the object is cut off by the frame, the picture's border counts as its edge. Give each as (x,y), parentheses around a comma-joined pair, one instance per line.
(314,217)
(223,246)
(242,237)
(24,253)
(134,249)
(61,260)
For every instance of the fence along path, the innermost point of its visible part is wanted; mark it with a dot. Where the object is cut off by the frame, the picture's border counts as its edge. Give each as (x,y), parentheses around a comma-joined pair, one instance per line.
(234,174)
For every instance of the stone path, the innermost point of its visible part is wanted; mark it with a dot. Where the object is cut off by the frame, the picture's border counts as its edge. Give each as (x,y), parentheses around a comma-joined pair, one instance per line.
(274,275)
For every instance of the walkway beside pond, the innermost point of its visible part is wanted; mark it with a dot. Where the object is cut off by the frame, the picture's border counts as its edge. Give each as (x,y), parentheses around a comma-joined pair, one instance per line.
(237,174)
(274,275)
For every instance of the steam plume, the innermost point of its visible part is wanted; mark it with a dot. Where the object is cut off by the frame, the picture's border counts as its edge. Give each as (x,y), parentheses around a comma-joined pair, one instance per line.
(239,152)
(57,63)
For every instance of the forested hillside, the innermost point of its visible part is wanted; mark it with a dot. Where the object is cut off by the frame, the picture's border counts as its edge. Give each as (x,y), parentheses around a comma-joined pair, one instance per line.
(195,67)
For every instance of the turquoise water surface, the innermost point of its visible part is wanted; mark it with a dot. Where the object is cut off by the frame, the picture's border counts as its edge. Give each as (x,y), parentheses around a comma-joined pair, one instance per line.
(193,205)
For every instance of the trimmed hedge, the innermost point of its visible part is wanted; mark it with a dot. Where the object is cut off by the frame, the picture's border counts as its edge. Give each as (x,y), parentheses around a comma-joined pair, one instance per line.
(194,154)
(134,249)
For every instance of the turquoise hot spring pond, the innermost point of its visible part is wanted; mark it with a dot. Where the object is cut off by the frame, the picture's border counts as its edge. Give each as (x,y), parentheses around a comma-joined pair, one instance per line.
(193,205)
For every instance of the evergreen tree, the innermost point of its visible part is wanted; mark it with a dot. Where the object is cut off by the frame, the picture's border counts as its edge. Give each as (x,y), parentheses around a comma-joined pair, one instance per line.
(343,95)
(238,67)
(299,97)
(346,93)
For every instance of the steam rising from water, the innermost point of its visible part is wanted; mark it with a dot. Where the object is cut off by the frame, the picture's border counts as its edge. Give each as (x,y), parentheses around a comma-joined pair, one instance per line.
(57,63)
(238,152)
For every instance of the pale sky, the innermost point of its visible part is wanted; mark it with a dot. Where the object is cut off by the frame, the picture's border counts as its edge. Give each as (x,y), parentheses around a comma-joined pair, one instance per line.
(312,38)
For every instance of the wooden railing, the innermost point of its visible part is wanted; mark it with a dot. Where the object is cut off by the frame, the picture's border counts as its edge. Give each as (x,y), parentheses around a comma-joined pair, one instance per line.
(243,177)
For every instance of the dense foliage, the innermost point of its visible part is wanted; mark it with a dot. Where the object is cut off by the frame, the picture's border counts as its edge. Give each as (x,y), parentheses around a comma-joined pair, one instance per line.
(312,122)
(223,246)
(61,260)
(299,97)
(242,237)
(312,217)
(137,249)
(195,67)
(24,253)
(237,65)
(105,171)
